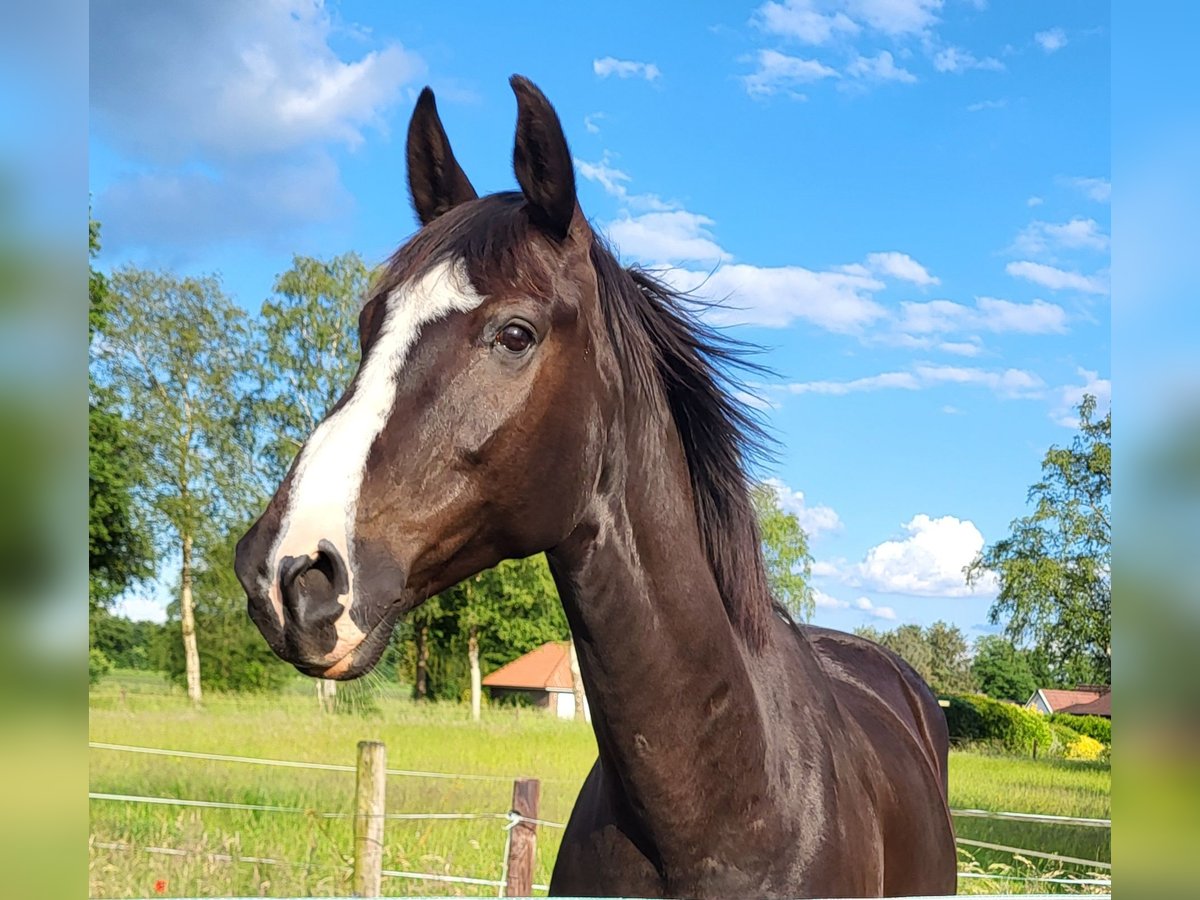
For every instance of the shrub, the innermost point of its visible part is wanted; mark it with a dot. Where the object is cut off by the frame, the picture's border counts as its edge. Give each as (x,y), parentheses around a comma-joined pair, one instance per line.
(1007,726)
(98,665)
(1096,727)
(1085,747)
(1063,738)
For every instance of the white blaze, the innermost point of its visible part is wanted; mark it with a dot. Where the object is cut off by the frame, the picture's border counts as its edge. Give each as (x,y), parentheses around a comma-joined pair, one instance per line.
(329,474)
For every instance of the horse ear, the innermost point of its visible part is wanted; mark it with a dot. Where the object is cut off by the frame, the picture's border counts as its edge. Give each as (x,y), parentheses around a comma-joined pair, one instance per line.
(435,179)
(542,160)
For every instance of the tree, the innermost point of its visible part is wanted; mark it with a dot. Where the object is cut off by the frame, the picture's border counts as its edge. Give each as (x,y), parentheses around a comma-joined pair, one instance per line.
(307,353)
(119,545)
(1001,670)
(504,612)
(950,661)
(937,653)
(174,356)
(308,350)
(233,656)
(785,549)
(1055,566)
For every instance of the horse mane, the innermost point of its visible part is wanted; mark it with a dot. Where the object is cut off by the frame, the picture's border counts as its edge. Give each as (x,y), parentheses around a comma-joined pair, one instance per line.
(663,347)
(662,342)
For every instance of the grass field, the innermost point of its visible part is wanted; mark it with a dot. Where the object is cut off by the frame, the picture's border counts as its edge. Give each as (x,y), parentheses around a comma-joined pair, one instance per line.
(141,710)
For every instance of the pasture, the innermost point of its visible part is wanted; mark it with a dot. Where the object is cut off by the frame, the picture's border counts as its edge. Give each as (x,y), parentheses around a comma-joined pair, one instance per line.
(141,710)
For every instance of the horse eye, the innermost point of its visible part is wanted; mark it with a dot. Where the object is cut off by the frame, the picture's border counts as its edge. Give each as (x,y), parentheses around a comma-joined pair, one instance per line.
(515,338)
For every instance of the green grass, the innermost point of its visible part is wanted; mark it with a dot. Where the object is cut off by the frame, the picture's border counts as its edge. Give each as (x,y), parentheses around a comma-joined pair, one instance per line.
(142,709)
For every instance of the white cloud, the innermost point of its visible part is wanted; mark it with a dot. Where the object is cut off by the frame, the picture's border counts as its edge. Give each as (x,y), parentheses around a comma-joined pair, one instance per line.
(226,112)
(1051,40)
(1098,189)
(820,21)
(141,609)
(778,72)
(1077,234)
(813,519)
(1034,201)
(802,21)
(1008,383)
(828,601)
(667,235)
(1070,396)
(990,314)
(1036,317)
(625,68)
(902,266)
(881,67)
(1057,279)
(1005,383)
(896,17)
(885,381)
(981,105)
(754,400)
(613,181)
(928,562)
(234,79)
(956,59)
(960,348)
(589,122)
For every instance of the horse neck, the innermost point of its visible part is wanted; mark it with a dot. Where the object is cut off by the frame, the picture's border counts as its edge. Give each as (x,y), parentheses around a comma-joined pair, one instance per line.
(673,704)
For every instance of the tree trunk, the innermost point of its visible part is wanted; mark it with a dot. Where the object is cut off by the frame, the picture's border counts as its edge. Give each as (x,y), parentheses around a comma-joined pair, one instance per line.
(326,694)
(191,655)
(421,687)
(476,679)
(577,685)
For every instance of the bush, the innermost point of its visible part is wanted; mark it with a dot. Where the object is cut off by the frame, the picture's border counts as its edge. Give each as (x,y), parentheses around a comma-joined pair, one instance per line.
(976,718)
(1063,738)
(1084,747)
(98,665)
(1096,727)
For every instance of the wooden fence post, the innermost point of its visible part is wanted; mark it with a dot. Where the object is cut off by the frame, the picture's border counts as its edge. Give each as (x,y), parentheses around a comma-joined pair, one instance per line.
(369,805)
(522,848)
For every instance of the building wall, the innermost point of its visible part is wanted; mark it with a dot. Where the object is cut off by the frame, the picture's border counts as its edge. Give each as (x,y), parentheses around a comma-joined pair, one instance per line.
(565,705)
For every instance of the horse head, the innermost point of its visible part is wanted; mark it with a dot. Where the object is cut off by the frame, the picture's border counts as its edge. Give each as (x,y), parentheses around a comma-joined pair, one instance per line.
(471,431)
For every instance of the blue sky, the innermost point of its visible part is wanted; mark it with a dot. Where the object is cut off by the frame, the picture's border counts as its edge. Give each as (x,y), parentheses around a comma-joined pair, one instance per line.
(906,200)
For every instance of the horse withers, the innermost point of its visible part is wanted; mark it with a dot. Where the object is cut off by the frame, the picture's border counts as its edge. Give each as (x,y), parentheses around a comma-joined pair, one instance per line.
(520,391)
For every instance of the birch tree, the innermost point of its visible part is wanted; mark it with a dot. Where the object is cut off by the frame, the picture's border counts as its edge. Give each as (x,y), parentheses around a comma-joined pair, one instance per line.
(174,356)
(307,353)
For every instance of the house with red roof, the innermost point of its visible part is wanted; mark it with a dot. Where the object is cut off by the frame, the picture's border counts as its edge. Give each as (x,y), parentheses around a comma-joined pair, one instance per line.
(1083,700)
(543,676)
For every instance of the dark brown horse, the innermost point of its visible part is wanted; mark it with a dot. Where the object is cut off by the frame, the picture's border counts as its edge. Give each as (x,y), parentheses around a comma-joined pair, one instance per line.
(521,392)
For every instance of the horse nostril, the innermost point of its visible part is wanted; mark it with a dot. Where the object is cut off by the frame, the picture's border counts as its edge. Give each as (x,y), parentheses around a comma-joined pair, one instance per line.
(310,586)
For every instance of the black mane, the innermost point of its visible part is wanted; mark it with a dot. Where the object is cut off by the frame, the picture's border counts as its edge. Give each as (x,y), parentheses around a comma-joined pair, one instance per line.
(661,342)
(663,346)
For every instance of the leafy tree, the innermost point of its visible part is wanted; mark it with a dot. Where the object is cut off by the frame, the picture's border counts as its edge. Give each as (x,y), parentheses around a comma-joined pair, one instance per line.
(502,613)
(126,643)
(950,662)
(785,548)
(1002,671)
(233,655)
(308,350)
(1055,567)
(119,545)
(937,653)
(174,356)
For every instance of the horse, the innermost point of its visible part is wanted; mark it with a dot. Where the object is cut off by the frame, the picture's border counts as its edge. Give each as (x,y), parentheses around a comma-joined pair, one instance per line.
(520,391)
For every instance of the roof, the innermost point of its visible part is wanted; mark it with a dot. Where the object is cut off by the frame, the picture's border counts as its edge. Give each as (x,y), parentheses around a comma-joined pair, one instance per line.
(1102,706)
(1058,700)
(548,668)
